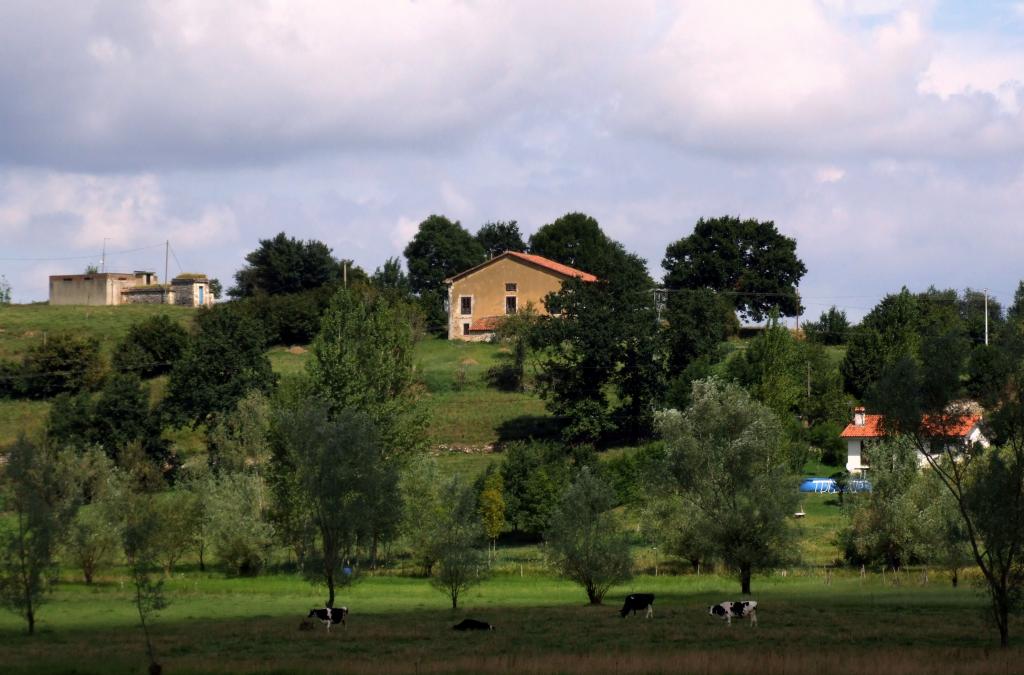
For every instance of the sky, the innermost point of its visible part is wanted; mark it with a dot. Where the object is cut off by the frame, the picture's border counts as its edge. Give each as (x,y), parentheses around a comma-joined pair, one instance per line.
(886,137)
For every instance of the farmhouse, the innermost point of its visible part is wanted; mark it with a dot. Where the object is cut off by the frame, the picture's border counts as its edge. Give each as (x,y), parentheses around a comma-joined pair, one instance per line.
(123,288)
(868,429)
(480,297)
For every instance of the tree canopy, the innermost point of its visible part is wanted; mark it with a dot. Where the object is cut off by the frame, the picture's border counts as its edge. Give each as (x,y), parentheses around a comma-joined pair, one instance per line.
(500,236)
(285,265)
(749,260)
(440,249)
(577,240)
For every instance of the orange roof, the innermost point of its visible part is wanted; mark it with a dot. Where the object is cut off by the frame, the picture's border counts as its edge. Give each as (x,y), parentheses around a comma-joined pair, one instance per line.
(486,323)
(553,266)
(537,260)
(955,427)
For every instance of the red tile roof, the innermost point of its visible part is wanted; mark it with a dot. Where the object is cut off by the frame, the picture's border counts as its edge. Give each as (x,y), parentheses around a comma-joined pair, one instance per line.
(486,323)
(553,266)
(956,427)
(537,260)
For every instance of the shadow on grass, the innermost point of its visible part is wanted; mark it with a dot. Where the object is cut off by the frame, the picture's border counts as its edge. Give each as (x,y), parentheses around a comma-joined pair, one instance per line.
(529,427)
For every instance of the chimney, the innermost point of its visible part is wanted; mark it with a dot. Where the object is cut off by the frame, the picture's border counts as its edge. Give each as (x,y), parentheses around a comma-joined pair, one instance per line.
(858,416)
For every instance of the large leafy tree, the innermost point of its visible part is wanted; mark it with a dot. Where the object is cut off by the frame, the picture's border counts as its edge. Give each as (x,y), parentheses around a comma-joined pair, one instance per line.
(697,320)
(151,347)
(500,236)
(577,240)
(340,465)
(889,332)
(285,265)
(922,399)
(440,249)
(457,540)
(225,359)
(40,495)
(727,459)
(362,359)
(748,260)
(587,543)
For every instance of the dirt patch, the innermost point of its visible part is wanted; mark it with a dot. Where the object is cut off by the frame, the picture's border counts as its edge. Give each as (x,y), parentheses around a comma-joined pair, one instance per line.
(469,362)
(297,350)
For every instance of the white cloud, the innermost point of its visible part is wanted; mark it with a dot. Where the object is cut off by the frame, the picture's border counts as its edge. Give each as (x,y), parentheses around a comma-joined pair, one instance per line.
(403,231)
(829,174)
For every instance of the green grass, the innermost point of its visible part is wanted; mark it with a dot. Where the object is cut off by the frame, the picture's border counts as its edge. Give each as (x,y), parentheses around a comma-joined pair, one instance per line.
(401,624)
(23,326)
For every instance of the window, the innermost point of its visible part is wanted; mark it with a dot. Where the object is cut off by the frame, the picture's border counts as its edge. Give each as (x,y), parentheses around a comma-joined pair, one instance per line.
(465,304)
(510,304)
(511,287)
(465,329)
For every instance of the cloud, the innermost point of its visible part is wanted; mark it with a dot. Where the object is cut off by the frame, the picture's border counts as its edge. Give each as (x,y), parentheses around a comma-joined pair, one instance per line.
(829,174)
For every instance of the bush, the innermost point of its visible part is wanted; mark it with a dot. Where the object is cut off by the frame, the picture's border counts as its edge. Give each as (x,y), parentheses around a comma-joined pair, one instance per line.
(62,363)
(240,536)
(151,347)
(535,475)
(292,319)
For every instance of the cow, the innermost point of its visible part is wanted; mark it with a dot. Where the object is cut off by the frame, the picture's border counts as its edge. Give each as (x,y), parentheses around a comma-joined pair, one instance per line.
(472,624)
(635,601)
(329,615)
(728,610)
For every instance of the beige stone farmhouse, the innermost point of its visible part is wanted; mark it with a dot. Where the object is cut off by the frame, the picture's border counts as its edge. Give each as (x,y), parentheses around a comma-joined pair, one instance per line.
(124,288)
(481,296)
(866,430)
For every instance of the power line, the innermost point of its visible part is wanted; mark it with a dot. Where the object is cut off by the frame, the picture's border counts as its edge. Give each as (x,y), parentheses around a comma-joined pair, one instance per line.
(80,257)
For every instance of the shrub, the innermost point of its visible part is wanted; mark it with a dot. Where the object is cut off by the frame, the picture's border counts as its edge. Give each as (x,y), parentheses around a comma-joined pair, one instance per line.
(151,347)
(62,363)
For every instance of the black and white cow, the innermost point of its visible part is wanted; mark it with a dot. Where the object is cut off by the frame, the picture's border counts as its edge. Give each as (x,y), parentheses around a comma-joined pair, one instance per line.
(635,601)
(728,610)
(330,615)
(472,624)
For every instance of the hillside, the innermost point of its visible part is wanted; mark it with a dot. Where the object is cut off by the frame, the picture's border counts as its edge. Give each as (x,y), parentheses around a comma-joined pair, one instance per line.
(463,411)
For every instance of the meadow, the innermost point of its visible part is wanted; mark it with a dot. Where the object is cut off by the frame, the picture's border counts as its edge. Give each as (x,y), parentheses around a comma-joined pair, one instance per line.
(399,624)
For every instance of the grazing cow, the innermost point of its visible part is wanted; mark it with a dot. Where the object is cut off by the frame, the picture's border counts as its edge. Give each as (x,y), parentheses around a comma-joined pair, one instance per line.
(330,615)
(635,601)
(728,610)
(472,624)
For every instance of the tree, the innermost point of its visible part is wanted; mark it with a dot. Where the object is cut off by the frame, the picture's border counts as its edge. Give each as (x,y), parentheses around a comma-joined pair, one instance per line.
(675,526)
(938,535)
(439,250)
(420,490)
(216,290)
(93,535)
(62,362)
(140,528)
(534,476)
(831,328)
(151,347)
(889,332)
(586,541)
(238,533)
(500,236)
(40,493)
(5,291)
(285,265)
(343,470)
(577,240)
(224,360)
(240,440)
(492,506)
(392,279)
(697,322)
(362,359)
(922,400)
(749,260)
(519,333)
(727,459)
(457,538)
(603,342)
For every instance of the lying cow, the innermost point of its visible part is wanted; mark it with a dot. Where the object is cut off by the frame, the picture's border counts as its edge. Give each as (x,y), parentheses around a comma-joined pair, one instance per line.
(330,615)
(728,610)
(635,601)
(472,624)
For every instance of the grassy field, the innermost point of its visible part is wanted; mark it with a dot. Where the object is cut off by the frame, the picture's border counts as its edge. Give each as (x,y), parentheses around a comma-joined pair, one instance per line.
(401,624)
(22,326)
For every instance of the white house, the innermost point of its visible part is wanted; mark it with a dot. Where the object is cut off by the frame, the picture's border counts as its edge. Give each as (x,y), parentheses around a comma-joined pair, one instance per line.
(868,429)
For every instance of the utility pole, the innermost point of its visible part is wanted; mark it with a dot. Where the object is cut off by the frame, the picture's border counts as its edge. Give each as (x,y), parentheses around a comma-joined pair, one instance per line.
(344,272)
(986,317)
(103,256)
(167,250)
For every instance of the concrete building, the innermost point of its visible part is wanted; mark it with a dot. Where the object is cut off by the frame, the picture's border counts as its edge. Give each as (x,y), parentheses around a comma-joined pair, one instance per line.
(480,297)
(121,288)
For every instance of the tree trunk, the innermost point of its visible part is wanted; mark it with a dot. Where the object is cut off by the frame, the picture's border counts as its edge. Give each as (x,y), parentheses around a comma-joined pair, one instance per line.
(592,595)
(202,564)
(1001,608)
(955,577)
(745,578)
(87,573)
(455,599)
(31,617)
(330,589)
(373,551)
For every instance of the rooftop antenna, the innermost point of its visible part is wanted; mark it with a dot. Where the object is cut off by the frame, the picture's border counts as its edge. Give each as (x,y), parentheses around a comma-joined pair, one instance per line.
(103,256)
